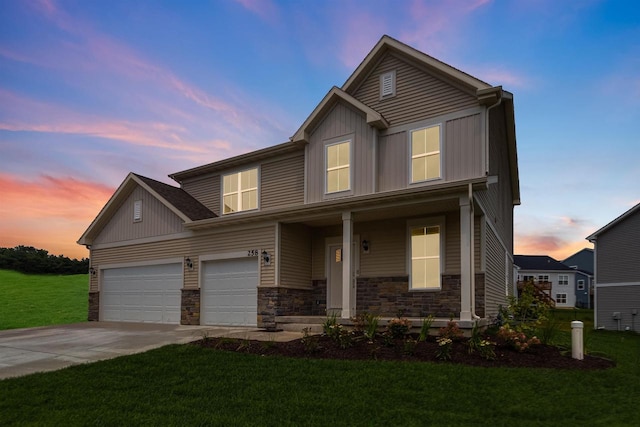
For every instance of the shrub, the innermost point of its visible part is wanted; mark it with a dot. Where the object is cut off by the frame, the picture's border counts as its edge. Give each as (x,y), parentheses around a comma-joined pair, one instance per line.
(367,324)
(409,346)
(444,348)
(309,341)
(398,327)
(517,339)
(329,324)
(451,331)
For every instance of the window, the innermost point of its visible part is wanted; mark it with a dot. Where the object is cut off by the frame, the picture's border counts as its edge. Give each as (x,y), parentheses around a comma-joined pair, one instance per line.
(388,85)
(581,285)
(543,278)
(137,211)
(561,298)
(338,167)
(240,191)
(563,279)
(425,257)
(425,154)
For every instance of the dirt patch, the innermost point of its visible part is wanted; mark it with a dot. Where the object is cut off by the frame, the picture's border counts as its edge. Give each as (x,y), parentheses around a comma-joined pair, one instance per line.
(323,347)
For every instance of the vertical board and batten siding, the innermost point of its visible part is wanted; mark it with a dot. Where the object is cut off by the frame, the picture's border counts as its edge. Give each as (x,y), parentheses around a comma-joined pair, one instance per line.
(618,252)
(282,182)
(341,121)
(618,299)
(463,148)
(419,95)
(206,244)
(462,154)
(205,189)
(495,274)
(157,220)
(295,256)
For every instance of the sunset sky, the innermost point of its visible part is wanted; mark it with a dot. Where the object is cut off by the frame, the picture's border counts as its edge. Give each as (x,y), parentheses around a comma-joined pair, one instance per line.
(91,90)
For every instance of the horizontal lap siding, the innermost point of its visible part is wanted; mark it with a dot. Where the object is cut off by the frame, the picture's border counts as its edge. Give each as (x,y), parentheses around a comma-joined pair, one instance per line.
(206,190)
(495,274)
(618,253)
(206,244)
(282,182)
(295,259)
(419,95)
(341,121)
(621,299)
(157,220)
(387,254)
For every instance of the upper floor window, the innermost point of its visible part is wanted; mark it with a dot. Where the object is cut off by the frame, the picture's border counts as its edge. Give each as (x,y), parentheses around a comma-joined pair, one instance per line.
(581,285)
(388,85)
(425,256)
(543,278)
(338,161)
(425,154)
(563,279)
(240,191)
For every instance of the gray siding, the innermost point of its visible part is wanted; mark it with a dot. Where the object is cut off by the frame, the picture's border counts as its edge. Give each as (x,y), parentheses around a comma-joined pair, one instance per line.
(205,189)
(419,95)
(262,238)
(494,274)
(282,182)
(341,121)
(393,161)
(157,220)
(622,299)
(618,252)
(295,250)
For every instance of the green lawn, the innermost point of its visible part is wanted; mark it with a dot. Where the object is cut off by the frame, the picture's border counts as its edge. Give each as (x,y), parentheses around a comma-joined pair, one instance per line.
(37,300)
(187,385)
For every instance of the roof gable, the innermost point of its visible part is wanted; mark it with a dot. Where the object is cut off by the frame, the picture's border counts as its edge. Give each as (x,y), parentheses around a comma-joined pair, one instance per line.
(593,237)
(539,263)
(178,201)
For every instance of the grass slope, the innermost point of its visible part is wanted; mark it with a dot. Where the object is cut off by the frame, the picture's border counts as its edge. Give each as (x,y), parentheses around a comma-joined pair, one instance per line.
(189,385)
(28,300)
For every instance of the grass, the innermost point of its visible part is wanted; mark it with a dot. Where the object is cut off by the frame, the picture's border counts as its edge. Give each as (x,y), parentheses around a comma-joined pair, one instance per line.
(188,385)
(28,300)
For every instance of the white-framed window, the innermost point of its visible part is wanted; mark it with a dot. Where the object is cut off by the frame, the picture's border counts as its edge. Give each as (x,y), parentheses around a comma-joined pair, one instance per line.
(425,153)
(543,278)
(137,211)
(338,167)
(425,254)
(561,298)
(563,279)
(240,191)
(388,85)
(581,285)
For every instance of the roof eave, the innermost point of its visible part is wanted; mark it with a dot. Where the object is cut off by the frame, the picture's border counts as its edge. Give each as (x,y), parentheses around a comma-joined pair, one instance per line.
(594,236)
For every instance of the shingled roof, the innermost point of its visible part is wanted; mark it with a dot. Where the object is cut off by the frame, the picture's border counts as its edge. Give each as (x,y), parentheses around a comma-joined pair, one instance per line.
(179,198)
(539,263)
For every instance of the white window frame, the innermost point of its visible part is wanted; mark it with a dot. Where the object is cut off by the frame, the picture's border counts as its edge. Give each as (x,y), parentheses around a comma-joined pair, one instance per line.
(561,296)
(412,156)
(542,278)
(137,211)
(326,167)
(425,222)
(391,75)
(563,279)
(581,285)
(240,190)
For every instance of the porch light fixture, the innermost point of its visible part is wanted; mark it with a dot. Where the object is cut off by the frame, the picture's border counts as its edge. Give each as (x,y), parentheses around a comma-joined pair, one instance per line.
(266,258)
(188,263)
(92,271)
(365,246)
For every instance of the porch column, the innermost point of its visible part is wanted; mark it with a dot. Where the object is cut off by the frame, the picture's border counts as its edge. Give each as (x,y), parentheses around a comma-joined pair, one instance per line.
(347,243)
(467,276)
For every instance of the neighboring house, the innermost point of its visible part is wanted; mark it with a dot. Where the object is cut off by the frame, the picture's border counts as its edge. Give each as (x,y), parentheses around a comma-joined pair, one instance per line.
(396,195)
(617,272)
(549,276)
(582,262)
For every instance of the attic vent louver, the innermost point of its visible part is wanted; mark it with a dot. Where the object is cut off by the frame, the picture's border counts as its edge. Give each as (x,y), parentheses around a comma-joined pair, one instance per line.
(388,84)
(137,211)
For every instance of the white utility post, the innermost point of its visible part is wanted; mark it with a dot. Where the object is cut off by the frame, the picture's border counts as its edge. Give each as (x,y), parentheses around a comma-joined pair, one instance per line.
(577,342)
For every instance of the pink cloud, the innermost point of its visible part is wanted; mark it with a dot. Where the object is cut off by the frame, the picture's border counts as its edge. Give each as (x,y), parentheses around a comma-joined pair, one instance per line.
(551,245)
(265,9)
(362,32)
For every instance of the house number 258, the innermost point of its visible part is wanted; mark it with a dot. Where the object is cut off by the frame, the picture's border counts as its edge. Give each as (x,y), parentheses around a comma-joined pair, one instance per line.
(252,252)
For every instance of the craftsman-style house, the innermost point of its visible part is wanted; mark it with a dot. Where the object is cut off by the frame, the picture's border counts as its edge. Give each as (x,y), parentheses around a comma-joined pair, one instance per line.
(395,195)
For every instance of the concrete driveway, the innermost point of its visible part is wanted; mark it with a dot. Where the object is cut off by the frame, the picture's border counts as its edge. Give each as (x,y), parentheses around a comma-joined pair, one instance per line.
(25,351)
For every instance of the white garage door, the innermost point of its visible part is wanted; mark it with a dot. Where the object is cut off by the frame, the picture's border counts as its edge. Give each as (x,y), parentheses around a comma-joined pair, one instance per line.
(142,294)
(229,294)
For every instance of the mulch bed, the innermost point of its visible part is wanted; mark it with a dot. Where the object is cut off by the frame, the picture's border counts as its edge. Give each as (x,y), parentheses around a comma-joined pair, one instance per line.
(538,356)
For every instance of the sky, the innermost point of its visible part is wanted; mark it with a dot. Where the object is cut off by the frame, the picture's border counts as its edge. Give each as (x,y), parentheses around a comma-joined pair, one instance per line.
(93,90)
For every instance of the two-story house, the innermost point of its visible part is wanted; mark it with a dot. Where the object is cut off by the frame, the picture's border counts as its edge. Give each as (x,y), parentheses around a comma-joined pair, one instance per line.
(617,272)
(395,195)
(582,262)
(553,278)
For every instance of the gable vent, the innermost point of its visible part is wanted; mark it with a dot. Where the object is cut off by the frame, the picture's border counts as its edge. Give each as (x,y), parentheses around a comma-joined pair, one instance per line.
(137,210)
(388,84)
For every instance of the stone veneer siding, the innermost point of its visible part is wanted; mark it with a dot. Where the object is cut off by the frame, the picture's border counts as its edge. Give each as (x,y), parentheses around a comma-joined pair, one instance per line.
(274,302)
(190,310)
(94,307)
(390,296)
(319,295)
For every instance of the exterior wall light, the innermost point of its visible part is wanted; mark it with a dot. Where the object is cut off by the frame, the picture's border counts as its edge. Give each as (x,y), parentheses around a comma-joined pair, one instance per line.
(188,263)
(266,258)
(92,271)
(365,246)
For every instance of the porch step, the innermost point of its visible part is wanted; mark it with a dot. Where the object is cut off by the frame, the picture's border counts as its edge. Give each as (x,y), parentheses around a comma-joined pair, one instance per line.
(298,327)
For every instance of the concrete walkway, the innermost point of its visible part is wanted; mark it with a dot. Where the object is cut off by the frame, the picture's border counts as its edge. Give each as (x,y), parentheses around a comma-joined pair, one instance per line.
(26,351)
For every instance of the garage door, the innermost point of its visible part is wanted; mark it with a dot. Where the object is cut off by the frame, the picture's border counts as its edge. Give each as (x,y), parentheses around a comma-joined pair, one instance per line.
(229,294)
(142,294)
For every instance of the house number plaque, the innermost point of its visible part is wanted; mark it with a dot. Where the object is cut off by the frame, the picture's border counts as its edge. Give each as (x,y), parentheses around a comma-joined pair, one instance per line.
(252,252)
